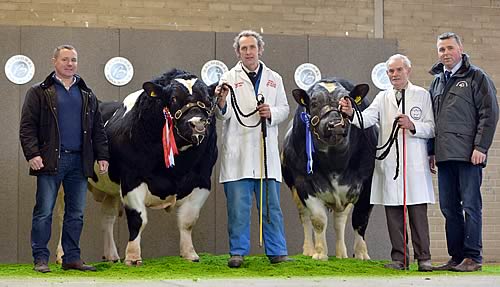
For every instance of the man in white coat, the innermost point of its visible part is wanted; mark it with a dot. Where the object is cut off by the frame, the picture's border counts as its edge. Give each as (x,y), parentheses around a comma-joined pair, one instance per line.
(242,163)
(417,123)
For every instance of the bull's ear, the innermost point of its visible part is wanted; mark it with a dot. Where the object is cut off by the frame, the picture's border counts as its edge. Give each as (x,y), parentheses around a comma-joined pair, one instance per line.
(359,92)
(152,89)
(301,97)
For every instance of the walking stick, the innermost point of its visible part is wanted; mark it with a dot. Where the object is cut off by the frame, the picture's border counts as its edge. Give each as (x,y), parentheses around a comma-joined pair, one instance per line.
(404,177)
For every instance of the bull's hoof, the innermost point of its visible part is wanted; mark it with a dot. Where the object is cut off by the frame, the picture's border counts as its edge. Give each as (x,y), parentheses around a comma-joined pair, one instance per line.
(195,260)
(105,259)
(308,253)
(321,257)
(362,256)
(133,263)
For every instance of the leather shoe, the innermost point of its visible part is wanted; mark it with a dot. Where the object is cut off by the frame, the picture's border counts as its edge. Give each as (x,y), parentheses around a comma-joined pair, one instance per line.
(41,266)
(396,265)
(235,261)
(424,266)
(467,265)
(446,266)
(279,259)
(78,265)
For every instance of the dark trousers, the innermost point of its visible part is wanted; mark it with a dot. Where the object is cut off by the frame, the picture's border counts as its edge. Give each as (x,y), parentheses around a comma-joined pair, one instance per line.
(417,217)
(461,204)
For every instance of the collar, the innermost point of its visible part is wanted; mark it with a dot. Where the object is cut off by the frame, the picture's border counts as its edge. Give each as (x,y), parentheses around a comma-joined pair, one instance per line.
(455,68)
(62,82)
(247,70)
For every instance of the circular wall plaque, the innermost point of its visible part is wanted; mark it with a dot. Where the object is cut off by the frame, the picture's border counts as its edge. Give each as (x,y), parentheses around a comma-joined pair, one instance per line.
(119,71)
(212,71)
(19,69)
(306,75)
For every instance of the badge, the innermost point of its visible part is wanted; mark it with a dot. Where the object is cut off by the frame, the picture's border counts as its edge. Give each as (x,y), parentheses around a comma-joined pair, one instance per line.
(212,71)
(416,113)
(118,71)
(19,69)
(380,78)
(306,75)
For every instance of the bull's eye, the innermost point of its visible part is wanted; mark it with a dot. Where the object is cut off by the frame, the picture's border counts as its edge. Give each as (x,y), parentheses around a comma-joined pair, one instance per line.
(174,100)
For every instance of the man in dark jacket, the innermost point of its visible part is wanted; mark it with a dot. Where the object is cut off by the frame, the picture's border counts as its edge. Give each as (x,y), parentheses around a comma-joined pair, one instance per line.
(466,114)
(61,134)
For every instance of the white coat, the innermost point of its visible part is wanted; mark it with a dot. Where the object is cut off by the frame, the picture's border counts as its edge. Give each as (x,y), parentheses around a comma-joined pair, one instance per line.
(241,146)
(383,110)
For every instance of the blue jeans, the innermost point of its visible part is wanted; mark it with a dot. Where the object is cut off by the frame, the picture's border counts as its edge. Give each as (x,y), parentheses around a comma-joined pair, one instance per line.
(239,196)
(70,174)
(461,204)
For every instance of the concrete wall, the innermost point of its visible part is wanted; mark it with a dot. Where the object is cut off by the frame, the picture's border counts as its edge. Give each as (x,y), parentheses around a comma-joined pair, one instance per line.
(414,26)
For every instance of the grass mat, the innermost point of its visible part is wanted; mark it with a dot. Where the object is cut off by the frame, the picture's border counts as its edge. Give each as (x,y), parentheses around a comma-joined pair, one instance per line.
(215,266)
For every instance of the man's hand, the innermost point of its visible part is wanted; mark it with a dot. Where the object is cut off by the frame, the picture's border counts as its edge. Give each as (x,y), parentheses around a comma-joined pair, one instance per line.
(221,94)
(432,164)
(36,163)
(477,157)
(405,123)
(103,166)
(264,111)
(346,106)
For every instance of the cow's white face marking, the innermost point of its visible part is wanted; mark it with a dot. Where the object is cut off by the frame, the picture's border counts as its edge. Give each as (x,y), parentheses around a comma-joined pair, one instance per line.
(130,100)
(330,87)
(188,84)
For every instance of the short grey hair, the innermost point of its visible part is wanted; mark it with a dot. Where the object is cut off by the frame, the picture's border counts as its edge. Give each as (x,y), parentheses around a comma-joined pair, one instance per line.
(450,35)
(58,49)
(406,60)
(248,33)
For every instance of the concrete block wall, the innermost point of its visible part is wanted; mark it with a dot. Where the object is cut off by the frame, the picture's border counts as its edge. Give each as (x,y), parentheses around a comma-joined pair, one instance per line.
(413,24)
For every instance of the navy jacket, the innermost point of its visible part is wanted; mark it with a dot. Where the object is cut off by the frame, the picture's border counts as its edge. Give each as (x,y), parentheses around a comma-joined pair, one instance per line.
(465,112)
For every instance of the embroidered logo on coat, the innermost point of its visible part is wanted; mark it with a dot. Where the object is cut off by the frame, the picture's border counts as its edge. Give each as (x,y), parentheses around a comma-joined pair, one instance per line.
(237,85)
(416,113)
(462,84)
(271,83)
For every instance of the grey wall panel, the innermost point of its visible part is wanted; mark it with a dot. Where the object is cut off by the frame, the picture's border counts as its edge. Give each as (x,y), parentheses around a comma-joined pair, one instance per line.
(94,47)
(152,53)
(9,148)
(349,58)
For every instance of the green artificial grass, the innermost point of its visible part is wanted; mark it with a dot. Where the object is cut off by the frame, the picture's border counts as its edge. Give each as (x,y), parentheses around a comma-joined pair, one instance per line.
(215,266)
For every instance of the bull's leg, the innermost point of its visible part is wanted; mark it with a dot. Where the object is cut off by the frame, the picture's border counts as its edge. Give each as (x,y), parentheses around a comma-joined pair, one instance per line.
(137,219)
(305,219)
(360,217)
(60,218)
(109,209)
(319,222)
(340,220)
(187,214)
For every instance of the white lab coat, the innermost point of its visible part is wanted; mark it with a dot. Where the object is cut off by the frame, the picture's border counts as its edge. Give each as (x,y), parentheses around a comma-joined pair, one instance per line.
(383,110)
(241,147)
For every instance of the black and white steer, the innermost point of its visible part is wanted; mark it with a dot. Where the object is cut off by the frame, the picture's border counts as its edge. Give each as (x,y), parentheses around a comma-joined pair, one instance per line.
(328,165)
(174,108)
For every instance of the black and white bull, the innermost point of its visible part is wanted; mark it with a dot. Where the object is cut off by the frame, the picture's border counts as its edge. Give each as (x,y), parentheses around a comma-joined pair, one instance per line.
(340,167)
(138,172)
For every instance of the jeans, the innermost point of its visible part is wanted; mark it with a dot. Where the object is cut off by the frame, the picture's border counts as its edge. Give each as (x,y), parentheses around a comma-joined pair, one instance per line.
(70,174)
(461,204)
(239,196)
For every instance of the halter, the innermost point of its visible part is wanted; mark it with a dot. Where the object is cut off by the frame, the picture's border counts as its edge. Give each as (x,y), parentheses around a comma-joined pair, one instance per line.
(314,121)
(182,111)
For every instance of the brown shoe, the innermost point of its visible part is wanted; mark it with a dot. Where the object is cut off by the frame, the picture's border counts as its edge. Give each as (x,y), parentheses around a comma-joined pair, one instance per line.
(78,265)
(467,265)
(396,265)
(279,259)
(424,266)
(445,267)
(235,261)
(41,266)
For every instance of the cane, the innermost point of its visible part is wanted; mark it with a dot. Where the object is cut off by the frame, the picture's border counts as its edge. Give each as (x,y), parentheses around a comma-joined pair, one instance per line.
(263,161)
(404,177)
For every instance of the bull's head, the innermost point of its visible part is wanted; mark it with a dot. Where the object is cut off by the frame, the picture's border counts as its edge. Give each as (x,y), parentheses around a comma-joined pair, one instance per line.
(189,102)
(330,128)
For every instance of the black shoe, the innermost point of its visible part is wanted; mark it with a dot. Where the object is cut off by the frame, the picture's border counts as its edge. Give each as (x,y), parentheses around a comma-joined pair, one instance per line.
(235,261)
(78,265)
(41,266)
(424,266)
(467,265)
(279,259)
(445,267)
(396,265)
